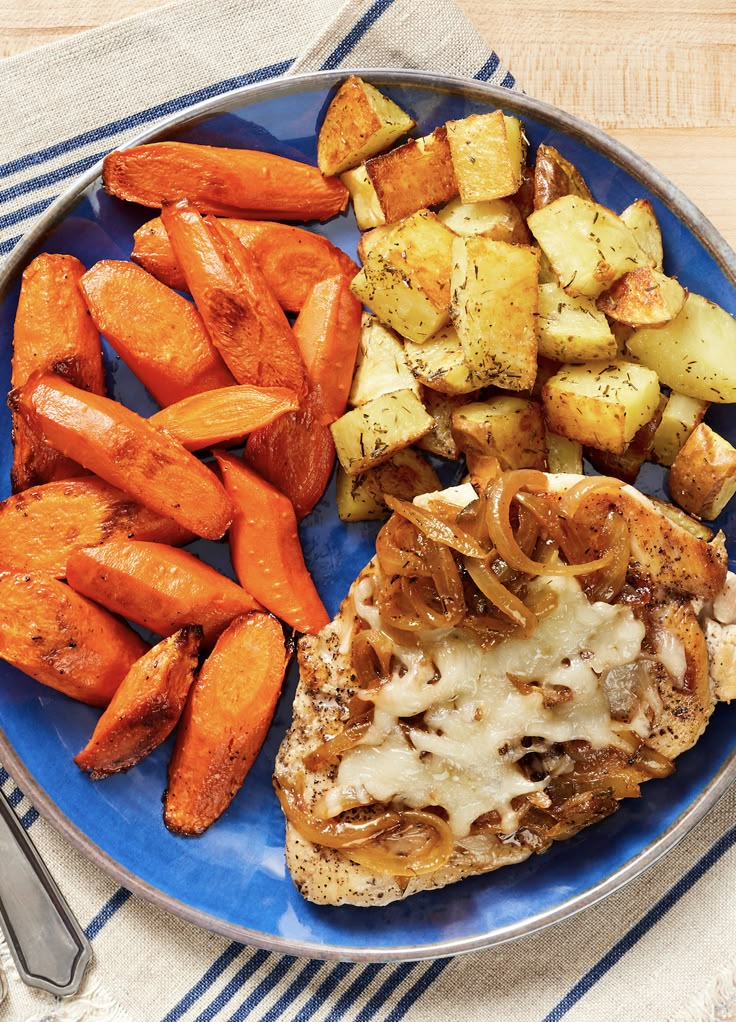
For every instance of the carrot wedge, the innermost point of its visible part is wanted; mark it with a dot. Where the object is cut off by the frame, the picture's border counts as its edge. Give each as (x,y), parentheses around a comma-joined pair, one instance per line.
(225,722)
(42,526)
(223,415)
(291,259)
(159,587)
(328,333)
(245,322)
(126,451)
(227,182)
(296,453)
(52,334)
(265,548)
(156,332)
(63,640)
(145,708)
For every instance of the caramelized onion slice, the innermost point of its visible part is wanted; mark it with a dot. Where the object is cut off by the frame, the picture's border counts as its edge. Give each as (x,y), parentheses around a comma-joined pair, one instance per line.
(440,529)
(495,591)
(329,750)
(422,843)
(573,498)
(500,497)
(371,657)
(339,834)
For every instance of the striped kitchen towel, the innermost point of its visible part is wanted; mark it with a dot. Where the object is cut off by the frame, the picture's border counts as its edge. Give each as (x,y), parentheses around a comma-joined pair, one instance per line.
(661,948)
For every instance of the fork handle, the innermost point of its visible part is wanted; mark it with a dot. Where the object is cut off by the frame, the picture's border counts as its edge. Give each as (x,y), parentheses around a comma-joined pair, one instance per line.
(48,946)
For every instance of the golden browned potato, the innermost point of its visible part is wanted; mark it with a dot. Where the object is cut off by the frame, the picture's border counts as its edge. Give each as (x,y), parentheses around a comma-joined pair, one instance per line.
(363,196)
(499,219)
(439,363)
(405,277)
(413,176)
(495,298)
(440,439)
(680,417)
(694,354)
(571,329)
(600,404)
(627,466)
(563,454)
(641,220)
(643,297)
(509,428)
(555,176)
(380,366)
(488,153)
(702,479)
(360,122)
(587,245)
(377,430)
(361,498)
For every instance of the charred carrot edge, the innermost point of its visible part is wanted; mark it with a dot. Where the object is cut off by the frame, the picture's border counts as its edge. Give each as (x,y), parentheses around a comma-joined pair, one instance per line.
(159,587)
(296,453)
(42,526)
(291,259)
(145,708)
(53,334)
(328,333)
(226,182)
(223,415)
(225,722)
(63,640)
(245,322)
(156,332)
(265,548)
(126,451)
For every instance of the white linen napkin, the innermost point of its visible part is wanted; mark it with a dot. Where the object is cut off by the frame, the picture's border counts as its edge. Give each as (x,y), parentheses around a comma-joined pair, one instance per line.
(660,949)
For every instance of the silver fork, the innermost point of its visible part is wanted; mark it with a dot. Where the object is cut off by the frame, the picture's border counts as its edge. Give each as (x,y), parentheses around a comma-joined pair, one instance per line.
(47,943)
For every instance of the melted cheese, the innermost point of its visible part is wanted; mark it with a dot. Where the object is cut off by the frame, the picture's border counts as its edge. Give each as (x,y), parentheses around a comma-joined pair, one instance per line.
(463,756)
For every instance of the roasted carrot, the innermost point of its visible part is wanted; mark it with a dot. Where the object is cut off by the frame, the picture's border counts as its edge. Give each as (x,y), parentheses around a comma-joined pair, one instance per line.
(42,526)
(225,722)
(291,259)
(158,586)
(145,708)
(245,322)
(227,182)
(126,451)
(223,415)
(53,333)
(156,332)
(265,548)
(328,332)
(296,453)
(62,639)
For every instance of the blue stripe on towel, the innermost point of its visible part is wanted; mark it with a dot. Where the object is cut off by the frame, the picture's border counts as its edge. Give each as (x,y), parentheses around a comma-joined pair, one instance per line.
(106,913)
(214,972)
(645,924)
(356,33)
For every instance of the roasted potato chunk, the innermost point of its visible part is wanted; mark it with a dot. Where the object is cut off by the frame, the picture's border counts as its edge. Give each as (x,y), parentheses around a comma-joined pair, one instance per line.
(627,466)
(440,439)
(377,430)
(499,219)
(563,454)
(405,277)
(509,428)
(680,417)
(588,245)
(360,122)
(366,207)
(413,176)
(600,404)
(555,176)
(643,297)
(439,363)
(494,308)
(639,217)
(381,366)
(488,152)
(407,474)
(702,479)
(572,329)
(694,354)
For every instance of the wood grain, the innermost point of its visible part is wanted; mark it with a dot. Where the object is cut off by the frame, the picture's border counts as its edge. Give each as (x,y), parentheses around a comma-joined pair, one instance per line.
(659,79)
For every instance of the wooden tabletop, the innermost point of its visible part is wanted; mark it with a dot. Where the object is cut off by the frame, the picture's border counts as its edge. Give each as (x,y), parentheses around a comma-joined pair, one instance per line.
(659,79)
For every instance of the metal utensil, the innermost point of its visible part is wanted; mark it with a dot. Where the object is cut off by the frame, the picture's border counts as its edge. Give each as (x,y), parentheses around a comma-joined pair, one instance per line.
(47,943)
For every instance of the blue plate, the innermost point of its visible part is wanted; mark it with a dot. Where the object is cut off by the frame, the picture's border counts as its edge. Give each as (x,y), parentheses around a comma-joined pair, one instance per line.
(233,879)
